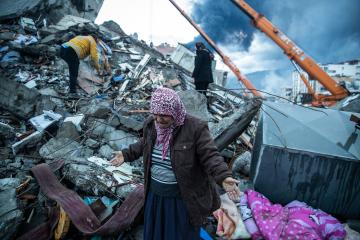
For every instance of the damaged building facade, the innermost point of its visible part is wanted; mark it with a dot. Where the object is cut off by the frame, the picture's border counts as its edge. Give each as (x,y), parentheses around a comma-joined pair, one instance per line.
(51,143)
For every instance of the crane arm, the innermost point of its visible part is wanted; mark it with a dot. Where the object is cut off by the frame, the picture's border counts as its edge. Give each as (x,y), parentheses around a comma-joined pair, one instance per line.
(294,53)
(225,58)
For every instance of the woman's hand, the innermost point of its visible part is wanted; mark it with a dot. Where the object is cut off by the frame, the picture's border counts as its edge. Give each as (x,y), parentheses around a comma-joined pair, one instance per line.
(230,186)
(118,159)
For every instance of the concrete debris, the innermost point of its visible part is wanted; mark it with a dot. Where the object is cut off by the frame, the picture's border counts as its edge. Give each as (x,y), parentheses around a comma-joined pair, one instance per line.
(11,215)
(29,141)
(91,143)
(77,120)
(28,24)
(60,148)
(195,104)
(114,27)
(22,103)
(130,123)
(12,9)
(351,234)
(7,36)
(45,120)
(6,131)
(31,84)
(96,177)
(241,164)
(8,183)
(106,152)
(119,139)
(98,109)
(68,130)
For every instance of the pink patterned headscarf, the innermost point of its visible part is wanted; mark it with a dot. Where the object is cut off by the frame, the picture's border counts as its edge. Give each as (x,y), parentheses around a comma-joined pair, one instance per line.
(165,101)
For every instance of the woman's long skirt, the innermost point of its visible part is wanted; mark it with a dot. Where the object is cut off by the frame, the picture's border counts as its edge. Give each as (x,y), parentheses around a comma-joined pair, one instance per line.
(166,218)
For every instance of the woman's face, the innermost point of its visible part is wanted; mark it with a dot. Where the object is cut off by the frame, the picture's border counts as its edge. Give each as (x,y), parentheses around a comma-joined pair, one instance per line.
(163,121)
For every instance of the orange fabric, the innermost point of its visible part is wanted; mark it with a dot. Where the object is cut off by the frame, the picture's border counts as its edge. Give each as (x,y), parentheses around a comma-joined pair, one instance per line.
(85,46)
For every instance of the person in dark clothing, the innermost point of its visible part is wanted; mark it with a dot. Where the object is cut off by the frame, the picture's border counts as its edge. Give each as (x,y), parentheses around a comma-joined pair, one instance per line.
(181,169)
(202,73)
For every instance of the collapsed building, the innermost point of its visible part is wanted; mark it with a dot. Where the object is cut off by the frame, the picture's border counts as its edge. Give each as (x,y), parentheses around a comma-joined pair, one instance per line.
(50,142)
(40,124)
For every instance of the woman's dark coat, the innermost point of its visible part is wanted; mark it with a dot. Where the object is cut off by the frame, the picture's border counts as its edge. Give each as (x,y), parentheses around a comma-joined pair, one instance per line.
(202,71)
(195,160)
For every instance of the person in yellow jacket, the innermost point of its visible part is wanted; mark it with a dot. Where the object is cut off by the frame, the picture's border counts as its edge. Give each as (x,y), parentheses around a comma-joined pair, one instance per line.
(79,48)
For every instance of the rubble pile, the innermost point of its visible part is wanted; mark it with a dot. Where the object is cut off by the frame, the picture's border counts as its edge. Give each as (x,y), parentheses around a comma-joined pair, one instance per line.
(65,143)
(76,137)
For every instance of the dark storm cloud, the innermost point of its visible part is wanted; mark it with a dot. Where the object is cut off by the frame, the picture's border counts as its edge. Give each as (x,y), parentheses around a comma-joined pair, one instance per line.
(327,30)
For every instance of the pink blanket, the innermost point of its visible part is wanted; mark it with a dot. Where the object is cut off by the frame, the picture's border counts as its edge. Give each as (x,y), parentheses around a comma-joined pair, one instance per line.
(294,221)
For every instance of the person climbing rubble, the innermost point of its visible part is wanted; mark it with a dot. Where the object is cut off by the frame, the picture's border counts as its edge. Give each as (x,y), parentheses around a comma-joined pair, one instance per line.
(182,166)
(79,48)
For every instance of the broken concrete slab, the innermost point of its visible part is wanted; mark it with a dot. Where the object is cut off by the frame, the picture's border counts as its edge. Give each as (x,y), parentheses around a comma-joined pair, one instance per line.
(28,24)
(9,183)
(47,103)
(94,179)
(106,152)
(100,128)
(29,141)
(10,214)
(45,120)
(7,36)
(242,164)
(98,109)
(31,84)
(77,120)
(68,21)
(48,92)
(68,130)
(36,50)
(50,39)
(60,148)
(119,139)
(12,9)
(6,131)
(26,162)
(230,128)
(195,104)
(114,121)
(88,9)
(131,123)
(113,26)
(91,143)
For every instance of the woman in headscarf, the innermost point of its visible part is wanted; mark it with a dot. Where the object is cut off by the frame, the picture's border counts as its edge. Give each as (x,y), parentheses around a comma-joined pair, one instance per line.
(181,169)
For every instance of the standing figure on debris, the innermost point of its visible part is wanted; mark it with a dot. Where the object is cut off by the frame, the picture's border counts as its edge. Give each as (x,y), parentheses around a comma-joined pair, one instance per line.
(79,48)
(202,73)
(181,168)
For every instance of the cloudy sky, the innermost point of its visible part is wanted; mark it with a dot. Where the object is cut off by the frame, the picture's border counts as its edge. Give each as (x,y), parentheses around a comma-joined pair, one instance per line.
(327,30)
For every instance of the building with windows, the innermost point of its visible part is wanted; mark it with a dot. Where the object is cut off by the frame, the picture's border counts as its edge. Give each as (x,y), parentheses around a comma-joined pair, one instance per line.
(348,72)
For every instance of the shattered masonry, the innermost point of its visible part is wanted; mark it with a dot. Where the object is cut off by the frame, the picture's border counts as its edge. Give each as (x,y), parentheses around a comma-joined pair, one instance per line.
(43,132)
